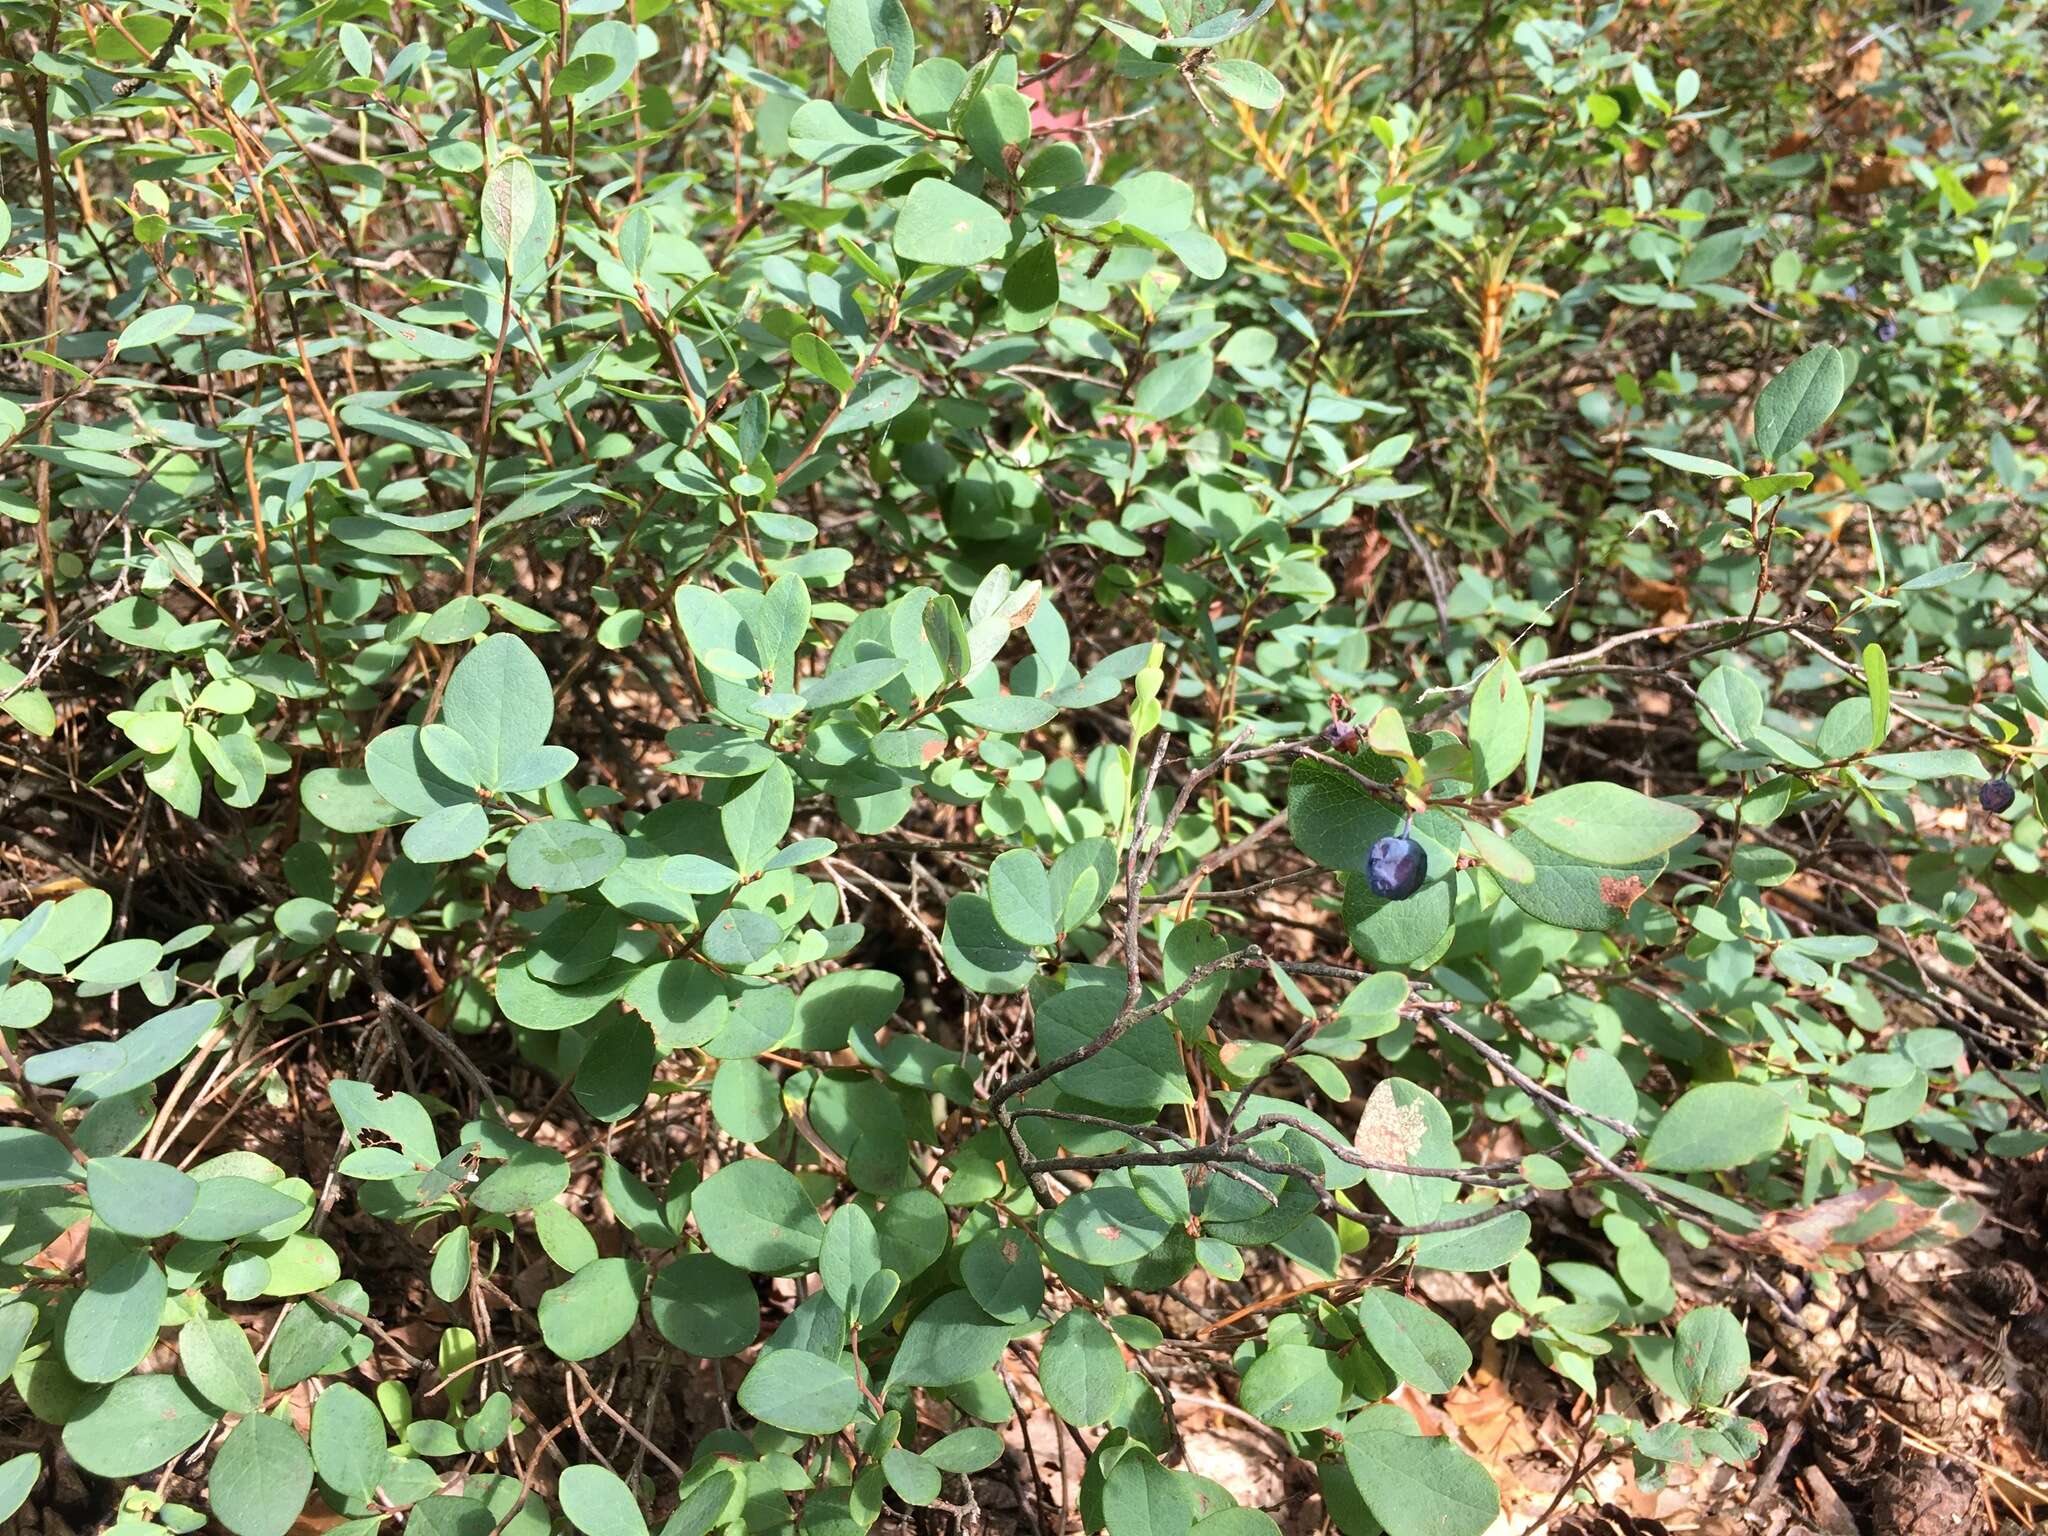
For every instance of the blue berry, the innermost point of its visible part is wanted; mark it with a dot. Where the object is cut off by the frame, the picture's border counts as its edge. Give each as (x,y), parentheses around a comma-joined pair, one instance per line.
(1394,868)
(1997,796)
(1888,331)
(1341,736)
(1850,293)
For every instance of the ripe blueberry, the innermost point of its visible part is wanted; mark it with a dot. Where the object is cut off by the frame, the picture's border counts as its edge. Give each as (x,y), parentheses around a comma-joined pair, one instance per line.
(1996,796)
(1394,868)
(1341,736)
(1888,331)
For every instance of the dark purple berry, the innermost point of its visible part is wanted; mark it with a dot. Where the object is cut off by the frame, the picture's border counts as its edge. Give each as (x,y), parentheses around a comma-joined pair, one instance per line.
(1341,736)
(1888,331)
(1996,797)
(1394,868)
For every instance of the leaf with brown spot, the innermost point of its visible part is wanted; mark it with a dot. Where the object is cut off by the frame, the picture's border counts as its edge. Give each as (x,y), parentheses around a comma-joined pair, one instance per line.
(1878,1218)
(1620,890)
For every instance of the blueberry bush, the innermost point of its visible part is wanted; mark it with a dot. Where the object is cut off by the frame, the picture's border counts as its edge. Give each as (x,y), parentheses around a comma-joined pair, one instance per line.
(804,765)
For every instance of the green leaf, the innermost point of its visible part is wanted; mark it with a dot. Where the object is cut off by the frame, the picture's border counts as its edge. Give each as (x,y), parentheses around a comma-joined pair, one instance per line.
(447,835)
(1940,576)
(1935,763)
(850,1258)
(73,928)
(1020,895)
(1190,945)
(563,855)
(31,1159)
(1500,724)
(1417,1345)
(1400,933)
(297,1264)
(1602,823)
(1877,673)
(154,326)
(1142,1498)
(1031,287)
(517,213)
(817,358)
(1081,1370)
(1711,1361)
(943,226)
(18,1476)
(739,936)
(1762,488)
(1174,386)
(1499,854)
(1141,1070)
(309,1335)
(965,1450)
(216,1358)
(260,1478)
(705,1307)
(117,965)
(30,708)
(1246,81)
(136,1425)
(1333,817)
(402,775)
(800,1392)
(948,1342)
(981,956)
(113,1322)
(1894,1106)
(1731,703)
(1416,1484)
(881,396)
(757,819)
(306,920)
(1691,463)
(424,341)
(1596,1080)
(856,28)
(611,50)
(463,618)
(703,1504)
(1006,714)
(349,1447)
(1294,1387)
(500,701)
(149,1051)
(1717,1126)
(562,1237)
(598,1503)
(1469,1250)
(755,1215)
(137,1197)
(230,1206)
(593,1310)
(915,1480)
(746,1100)
(1793,406)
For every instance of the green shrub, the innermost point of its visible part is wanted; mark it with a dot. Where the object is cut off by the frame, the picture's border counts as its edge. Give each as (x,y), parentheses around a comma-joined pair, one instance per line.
(746,737)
